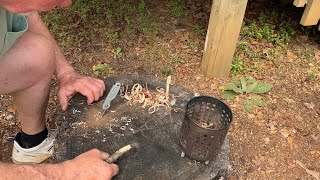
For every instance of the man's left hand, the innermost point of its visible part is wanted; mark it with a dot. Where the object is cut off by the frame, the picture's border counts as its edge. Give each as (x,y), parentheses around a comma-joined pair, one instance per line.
(72,83)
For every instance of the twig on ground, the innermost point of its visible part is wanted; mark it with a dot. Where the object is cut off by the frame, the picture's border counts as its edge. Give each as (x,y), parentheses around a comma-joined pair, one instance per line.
(315,174)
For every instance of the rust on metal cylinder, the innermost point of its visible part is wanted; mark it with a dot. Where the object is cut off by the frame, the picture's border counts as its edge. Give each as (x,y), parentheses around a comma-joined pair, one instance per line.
(204,128)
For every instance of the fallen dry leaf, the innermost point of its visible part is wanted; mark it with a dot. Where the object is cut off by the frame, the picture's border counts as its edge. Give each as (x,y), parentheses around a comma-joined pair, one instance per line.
(285,132)
(317,55)
(267,140)
(291,166)
(260,115)
(313,152)
(266,67)
(303,37)
(309,105)
(290,56)
(253,42)
(273,129)
(274,117)
(251,116)
(259,123)
(185,37)
(296,46)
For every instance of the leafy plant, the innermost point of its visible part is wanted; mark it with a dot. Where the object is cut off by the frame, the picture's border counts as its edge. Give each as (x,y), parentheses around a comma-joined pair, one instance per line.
(243,46)
(117,53)
(237,65)
(167,71)
(255,100)
(112,36)
(247,86)
(102,68)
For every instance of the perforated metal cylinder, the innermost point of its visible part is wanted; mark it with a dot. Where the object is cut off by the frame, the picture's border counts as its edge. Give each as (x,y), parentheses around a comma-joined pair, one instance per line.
(204,128)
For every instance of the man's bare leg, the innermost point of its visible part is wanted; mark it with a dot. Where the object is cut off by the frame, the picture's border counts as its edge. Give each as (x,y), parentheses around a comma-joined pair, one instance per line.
(25,73)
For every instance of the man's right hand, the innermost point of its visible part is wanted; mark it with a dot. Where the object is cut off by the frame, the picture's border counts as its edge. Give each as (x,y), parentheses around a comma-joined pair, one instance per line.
(90,165)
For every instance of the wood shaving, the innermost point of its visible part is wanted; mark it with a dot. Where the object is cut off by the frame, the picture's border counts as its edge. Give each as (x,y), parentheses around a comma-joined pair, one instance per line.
(152,100)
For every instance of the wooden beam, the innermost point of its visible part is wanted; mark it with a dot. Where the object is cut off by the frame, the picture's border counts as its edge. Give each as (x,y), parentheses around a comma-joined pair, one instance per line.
(222,36)
(311,14)
(300,3)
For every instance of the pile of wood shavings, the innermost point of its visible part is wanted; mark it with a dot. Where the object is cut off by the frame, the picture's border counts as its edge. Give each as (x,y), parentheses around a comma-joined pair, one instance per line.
(153,100)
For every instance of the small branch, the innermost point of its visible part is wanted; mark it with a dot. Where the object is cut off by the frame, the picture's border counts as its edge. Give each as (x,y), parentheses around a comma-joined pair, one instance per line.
(315,174)
(168,86)
(113,158)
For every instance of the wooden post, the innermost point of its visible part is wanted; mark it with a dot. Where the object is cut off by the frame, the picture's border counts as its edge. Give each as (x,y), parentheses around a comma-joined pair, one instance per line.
(222,36)
(311,14)
(299,3)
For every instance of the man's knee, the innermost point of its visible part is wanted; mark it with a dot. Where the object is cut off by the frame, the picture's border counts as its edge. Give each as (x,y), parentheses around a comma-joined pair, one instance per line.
(43,56)
(39,53)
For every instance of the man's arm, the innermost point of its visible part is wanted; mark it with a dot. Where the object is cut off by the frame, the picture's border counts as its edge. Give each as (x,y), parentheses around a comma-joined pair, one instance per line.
(89,165)
(13,171)
(70,82)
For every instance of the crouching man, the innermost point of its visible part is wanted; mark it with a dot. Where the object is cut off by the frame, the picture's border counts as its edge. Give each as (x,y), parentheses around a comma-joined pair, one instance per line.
(29,57)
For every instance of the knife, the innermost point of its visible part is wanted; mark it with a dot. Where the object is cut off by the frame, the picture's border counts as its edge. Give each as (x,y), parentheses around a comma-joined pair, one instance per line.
(111,95)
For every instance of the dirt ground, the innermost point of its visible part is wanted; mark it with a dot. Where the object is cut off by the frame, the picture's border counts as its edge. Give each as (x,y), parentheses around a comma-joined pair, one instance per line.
(161,38)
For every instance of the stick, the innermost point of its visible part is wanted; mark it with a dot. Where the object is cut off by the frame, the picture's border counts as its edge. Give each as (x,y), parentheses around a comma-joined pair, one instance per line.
(168,86)
(113,158)
(315,174)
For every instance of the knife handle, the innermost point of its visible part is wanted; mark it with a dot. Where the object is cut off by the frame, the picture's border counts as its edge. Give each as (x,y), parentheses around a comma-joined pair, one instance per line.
(111,95)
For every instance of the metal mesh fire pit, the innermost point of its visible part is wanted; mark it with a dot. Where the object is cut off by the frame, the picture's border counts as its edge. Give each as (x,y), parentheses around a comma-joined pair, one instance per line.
(204,128)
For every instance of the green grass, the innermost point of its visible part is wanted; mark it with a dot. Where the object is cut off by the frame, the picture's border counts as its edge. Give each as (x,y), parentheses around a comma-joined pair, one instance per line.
(133,19)
(175,58)
(199,31)
(176,7)
(264,28)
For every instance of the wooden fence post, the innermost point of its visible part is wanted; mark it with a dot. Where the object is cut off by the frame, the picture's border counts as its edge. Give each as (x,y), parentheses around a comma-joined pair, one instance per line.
(222,36)
(311,14)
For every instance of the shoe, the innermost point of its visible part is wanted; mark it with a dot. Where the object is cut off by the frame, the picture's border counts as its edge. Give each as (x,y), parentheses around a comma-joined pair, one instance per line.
(36,154)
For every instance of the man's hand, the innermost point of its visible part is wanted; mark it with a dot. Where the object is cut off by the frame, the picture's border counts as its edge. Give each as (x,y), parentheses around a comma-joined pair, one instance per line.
(90,165)
(71,83)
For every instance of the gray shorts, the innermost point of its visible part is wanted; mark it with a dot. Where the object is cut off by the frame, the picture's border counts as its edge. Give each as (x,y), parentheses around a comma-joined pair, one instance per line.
(12,26)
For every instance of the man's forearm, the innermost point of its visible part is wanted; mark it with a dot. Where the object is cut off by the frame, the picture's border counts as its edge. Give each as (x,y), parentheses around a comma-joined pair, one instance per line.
(37,25)
(44,171)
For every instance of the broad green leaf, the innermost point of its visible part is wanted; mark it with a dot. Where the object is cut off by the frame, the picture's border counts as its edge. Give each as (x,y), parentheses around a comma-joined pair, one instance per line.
(235,81)
(243,84)
(118,50)
(262,88)
(251,80)
(229,95)
(251,87)
(248,103)
(258,101)
(96,73)
(229,86)
(232,87)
